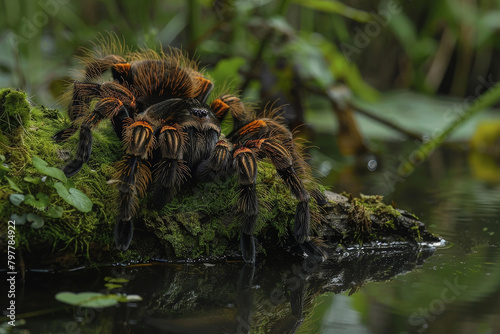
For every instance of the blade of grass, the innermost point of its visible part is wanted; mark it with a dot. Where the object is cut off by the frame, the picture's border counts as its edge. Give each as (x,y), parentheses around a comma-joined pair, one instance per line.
(486,100)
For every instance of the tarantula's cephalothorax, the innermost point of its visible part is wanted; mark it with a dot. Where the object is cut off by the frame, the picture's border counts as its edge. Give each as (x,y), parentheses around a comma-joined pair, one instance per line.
(157,104)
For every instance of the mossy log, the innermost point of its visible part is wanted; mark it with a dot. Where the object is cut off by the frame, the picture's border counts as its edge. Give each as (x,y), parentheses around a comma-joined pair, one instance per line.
(60,227)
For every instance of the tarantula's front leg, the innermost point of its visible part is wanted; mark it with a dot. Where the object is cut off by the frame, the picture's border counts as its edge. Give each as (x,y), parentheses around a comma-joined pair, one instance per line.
(218,164)
(83,93)
(239,112)
(171,171)
(117,100)
(134,175)
(246,167)
(283,162)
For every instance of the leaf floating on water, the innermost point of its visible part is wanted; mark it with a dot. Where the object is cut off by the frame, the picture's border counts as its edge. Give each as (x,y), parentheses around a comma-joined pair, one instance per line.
(111,286)
(94,299)
(87,299)
(117,280)
(134,298)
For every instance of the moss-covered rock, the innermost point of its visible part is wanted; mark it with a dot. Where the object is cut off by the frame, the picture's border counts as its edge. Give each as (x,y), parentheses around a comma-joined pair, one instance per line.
(60,227)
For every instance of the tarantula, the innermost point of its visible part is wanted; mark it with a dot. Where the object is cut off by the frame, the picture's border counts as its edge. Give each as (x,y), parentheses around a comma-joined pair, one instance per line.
(157,103)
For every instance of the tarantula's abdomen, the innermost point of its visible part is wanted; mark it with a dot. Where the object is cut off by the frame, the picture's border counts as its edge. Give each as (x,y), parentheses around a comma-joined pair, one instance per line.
(158,80)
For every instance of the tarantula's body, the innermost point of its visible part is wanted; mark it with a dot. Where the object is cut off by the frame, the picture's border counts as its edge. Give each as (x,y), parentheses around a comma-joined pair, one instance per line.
(158,106)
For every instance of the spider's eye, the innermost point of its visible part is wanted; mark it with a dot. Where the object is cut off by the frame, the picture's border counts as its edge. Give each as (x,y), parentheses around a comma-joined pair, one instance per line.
(199,112)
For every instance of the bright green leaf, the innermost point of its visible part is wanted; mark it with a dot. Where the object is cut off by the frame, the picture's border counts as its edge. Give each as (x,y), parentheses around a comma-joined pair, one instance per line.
(133,298)
(74,197)
(16,199)
(43,168)
(336,7)
(118,280)
(33,180)
(40,203)
(88,299)
(13,185)
(227,68)
(111,286)
(54,212)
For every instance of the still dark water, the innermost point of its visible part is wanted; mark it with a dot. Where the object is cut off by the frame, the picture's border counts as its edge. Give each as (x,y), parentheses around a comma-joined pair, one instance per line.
(451,289)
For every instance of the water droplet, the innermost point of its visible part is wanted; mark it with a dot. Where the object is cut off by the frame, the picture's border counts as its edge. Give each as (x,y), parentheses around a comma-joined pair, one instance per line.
(372,165)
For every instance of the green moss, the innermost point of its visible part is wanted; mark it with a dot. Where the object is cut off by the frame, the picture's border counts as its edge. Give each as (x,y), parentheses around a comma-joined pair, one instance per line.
(362,212)
(27,132)
(203,221)
(14,110)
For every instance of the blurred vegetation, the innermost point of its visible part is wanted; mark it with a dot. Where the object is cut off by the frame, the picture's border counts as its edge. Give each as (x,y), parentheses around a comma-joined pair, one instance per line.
(309,55)
(430,46)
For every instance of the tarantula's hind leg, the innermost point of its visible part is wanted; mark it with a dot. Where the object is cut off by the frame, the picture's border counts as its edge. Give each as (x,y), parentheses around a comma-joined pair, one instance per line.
(282,160)
(248,206)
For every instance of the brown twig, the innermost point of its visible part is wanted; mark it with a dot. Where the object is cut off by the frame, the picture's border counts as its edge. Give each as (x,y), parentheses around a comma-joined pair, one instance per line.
(386,122)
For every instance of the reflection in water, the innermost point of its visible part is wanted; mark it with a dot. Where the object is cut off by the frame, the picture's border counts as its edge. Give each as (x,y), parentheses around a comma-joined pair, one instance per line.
(210,298)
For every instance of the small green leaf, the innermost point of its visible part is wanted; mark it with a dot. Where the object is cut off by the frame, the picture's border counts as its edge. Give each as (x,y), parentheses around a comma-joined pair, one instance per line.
(118,280)
(111,286)
(43,168)
(134,298)
(16,199)
(228,68)
(33,180)
(2,158)
(74,197)
(87,299)
(35,220)
(19,220)
(336,7)
(13,185)
(40,203)
(55,212)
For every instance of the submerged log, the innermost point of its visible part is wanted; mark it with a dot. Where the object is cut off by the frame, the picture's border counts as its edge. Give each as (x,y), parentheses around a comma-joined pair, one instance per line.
(69,222)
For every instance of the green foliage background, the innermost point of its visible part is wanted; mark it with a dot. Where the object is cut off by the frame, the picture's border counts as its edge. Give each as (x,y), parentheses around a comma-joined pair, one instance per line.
(429,46)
